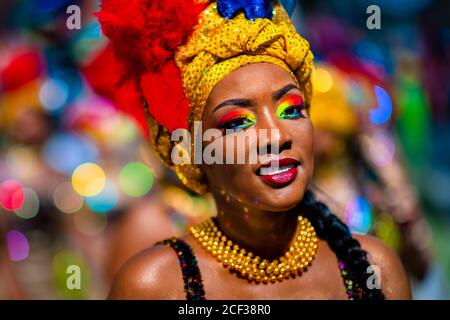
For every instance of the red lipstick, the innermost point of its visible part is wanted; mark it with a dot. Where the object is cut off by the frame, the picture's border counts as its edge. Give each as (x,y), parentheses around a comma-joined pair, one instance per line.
(279,173)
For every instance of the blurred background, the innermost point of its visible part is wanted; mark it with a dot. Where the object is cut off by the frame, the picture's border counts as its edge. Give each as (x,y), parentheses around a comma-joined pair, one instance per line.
(81,191)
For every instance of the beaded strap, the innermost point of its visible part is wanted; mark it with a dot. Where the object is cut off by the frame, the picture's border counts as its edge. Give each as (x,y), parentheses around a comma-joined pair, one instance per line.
(192,279)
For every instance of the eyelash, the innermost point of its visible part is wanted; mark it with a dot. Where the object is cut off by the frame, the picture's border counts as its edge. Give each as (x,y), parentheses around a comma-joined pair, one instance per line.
(298,108)
(236,126)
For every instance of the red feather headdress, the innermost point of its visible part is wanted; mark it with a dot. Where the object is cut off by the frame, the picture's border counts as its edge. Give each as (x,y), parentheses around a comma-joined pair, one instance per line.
(144,35)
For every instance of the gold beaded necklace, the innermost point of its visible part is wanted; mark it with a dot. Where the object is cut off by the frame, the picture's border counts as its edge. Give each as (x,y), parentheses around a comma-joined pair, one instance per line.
(299,256)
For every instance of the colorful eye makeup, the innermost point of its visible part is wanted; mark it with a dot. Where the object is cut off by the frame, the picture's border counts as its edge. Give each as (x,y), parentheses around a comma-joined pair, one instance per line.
(237,120)
(291,107)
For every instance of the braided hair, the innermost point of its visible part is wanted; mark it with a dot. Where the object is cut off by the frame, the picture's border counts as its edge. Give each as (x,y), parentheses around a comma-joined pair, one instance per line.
(339,238)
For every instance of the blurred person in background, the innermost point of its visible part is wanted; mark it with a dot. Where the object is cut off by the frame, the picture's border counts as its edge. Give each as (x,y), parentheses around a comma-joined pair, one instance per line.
(24,128)
(393,144)
(360,171)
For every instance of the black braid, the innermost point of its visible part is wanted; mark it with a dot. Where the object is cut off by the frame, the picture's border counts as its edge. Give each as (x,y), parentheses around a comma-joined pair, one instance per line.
(338,236)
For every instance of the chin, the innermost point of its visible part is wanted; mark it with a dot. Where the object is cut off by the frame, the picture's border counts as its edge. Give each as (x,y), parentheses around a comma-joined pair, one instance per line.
(282,199)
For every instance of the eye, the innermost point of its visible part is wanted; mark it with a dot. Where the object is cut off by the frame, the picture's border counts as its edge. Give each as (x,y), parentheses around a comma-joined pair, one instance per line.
(292,112)
(236,120)
(238,124)
(291,107)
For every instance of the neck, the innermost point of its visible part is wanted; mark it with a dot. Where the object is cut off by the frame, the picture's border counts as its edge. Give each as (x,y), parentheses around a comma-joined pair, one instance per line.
(264,233)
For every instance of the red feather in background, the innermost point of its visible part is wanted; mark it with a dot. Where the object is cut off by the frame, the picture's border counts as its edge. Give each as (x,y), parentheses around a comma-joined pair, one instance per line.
(102,73)
(144,35)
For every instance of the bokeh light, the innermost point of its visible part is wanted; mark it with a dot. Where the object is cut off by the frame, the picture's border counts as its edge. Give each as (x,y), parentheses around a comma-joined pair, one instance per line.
(381,148)
(66,199)
(89,39)
(30,206)
(388,231)
(119,129)
(322,80)
(99,120)
(369,51)
(54,94)
(88,223)
(106,200)
(383,110)
(88,179)
(358,215)
(73,148)
(11,194)
(356,95)
(18,246)
(136,179)
(22,162)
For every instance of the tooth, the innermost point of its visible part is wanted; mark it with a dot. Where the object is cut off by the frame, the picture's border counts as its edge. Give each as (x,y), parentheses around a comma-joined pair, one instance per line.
(266,171)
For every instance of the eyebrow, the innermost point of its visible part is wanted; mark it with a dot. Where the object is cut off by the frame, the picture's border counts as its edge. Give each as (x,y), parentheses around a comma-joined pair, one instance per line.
(235,102)
(276,95)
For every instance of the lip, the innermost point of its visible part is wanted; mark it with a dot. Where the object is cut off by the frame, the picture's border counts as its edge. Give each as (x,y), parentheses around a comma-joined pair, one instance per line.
(283,178)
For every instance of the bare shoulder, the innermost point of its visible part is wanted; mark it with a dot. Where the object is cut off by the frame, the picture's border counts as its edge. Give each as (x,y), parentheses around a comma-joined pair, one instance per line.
(384,260)
(152,274)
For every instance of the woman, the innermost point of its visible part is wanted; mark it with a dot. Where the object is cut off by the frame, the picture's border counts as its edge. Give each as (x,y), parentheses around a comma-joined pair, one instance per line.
(239,68)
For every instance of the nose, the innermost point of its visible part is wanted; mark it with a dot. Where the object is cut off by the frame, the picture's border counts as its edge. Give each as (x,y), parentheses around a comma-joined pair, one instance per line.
(273,136)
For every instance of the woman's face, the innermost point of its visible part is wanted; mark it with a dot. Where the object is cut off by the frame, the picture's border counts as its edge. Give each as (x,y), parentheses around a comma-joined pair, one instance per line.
(259,105)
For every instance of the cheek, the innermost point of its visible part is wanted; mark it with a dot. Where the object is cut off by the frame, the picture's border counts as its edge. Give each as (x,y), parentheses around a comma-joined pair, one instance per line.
(224,170)
(309,150)
(229,182)
(309,140)
(303,142)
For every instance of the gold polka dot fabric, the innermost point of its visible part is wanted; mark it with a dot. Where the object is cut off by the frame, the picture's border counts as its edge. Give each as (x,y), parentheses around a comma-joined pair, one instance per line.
(219,46)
